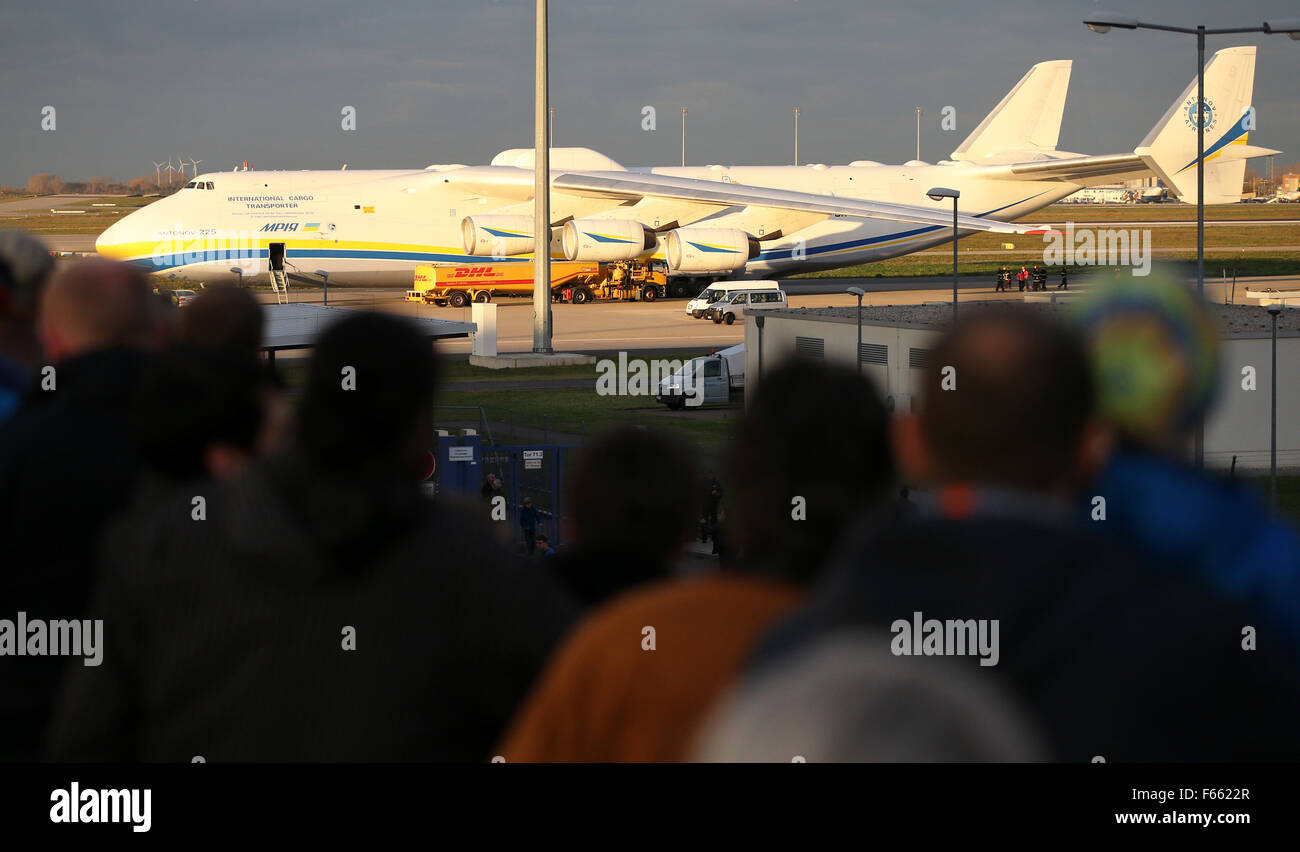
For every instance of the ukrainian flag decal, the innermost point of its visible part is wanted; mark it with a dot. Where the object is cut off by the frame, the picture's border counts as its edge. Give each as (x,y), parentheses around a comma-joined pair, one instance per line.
(311,226)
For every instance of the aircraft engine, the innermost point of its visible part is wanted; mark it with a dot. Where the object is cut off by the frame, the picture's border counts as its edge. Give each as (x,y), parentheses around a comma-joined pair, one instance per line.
(606,240)
(497,236)
(708,250)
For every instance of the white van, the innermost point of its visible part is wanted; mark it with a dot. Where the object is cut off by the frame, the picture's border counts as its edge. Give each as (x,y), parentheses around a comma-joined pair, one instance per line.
(744,301)
(724,290)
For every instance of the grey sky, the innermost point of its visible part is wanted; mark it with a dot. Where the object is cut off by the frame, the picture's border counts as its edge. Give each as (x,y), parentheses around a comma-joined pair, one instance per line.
(441,81)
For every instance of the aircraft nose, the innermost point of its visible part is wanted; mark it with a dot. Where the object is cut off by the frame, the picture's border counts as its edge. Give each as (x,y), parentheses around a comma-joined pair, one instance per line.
(111,237)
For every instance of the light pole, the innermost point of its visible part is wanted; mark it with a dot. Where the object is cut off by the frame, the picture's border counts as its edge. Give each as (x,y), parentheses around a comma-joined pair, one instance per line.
(541,197)
(683,136)
(1103,22)
(1273,310)
(859,292)
(796,136)
(325,279)
(939,193)
(918,133)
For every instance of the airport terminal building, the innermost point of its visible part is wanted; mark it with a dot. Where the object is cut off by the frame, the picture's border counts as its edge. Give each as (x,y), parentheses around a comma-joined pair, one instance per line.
(896,341)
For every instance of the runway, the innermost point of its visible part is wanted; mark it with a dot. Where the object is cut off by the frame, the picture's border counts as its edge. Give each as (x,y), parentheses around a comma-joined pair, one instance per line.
(614,326)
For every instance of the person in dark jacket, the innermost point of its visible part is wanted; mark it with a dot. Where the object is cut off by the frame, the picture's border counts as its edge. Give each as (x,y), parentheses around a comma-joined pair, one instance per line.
(69,463)
(322,609)
(528,518)
(629,502)
(25,267)
(1112,662)
(1003,279)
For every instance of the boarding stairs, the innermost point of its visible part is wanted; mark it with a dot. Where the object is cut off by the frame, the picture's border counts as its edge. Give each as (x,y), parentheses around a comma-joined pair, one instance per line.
(280,284)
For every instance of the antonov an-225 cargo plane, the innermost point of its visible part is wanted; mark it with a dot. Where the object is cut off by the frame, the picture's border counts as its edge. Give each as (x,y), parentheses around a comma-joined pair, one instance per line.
(374,227)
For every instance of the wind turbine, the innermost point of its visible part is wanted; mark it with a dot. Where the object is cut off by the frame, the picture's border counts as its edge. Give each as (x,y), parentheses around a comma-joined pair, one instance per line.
(170,171)
(181,162)
(195,165)
(157,173)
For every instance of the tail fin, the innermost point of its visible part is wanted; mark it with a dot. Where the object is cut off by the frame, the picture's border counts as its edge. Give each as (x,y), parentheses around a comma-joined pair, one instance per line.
(1026,122)
(1170,148)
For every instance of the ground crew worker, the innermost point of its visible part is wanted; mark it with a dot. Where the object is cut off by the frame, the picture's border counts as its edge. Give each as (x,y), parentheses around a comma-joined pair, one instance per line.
(1022,278)
(1065,283)
(1004,277)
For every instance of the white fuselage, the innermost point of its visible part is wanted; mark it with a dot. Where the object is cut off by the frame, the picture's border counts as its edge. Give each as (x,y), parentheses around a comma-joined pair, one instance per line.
(374,227)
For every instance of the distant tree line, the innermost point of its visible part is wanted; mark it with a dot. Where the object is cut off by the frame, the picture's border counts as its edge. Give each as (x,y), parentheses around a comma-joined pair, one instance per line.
(50,184)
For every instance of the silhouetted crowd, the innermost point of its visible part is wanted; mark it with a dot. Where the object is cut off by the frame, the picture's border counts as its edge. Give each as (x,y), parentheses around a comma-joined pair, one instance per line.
(1057,584)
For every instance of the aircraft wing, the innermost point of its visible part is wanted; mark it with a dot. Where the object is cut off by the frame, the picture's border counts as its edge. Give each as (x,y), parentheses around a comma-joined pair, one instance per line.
(679,201)
(627,187)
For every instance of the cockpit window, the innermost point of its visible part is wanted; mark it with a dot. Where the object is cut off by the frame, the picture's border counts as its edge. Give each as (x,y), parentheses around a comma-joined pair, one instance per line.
(210,185)
(189,185)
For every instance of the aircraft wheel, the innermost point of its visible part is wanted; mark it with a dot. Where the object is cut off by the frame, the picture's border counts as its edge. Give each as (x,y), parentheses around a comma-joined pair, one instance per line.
(457,299)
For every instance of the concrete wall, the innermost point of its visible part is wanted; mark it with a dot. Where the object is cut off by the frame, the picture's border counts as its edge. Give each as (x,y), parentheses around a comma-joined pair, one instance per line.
(1238,426)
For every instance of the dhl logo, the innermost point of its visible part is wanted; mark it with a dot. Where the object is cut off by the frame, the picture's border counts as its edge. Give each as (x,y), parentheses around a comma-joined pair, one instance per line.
(476,272)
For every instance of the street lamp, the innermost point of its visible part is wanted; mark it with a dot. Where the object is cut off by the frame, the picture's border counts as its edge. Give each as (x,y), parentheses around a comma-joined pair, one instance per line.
(918,133)
(1273,310)
(683,136)
(325,278)
(239,276)
(541,189)
(1102,22)
(859,292)
(939,193)
(796,136)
